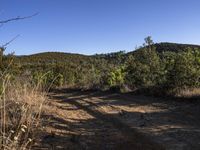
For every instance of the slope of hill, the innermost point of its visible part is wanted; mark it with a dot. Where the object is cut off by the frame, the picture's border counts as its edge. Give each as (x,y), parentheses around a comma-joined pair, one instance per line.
(116,70)
(174,47)
(49,57)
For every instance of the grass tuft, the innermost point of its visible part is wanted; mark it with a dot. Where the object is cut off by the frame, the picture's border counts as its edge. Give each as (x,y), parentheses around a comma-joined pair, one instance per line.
(21,107)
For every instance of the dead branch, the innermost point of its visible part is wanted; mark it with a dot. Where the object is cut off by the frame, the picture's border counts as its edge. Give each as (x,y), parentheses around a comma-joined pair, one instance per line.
(17,18)
(5,45)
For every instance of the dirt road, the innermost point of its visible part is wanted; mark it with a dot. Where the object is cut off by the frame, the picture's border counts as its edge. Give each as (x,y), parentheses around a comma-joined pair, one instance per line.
(109,121)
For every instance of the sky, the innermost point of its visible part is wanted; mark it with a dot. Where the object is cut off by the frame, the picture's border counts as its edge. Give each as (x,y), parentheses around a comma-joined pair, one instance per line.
(97,26)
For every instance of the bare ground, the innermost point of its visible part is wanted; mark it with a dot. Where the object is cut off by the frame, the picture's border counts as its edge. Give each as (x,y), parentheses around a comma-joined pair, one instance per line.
(108,121)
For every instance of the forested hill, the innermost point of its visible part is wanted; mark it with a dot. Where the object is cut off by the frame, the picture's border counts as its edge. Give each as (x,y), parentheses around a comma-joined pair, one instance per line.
(174,47)
(49,57)
(167,66)
(170,47)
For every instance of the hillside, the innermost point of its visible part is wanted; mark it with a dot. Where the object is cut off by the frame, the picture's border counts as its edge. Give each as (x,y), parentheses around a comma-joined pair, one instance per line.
(50,57)
(174,47)
(114,70)
(84,96)
(170,47)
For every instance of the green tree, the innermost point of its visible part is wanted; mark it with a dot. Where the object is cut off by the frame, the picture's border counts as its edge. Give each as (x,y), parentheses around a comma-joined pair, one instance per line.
(144,67)
(116,77)
(184,71)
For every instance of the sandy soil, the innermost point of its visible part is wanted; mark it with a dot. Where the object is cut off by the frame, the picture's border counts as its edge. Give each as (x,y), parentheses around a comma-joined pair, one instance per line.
(108,121)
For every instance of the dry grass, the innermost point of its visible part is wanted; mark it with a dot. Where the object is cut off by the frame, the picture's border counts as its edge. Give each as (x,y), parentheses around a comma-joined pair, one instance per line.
(21,107)
(189,93)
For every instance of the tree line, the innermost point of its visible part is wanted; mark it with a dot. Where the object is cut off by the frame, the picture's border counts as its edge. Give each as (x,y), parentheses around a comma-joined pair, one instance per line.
(146,68)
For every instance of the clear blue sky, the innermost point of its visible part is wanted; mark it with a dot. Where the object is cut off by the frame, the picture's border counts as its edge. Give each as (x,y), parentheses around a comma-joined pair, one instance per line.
(98,26)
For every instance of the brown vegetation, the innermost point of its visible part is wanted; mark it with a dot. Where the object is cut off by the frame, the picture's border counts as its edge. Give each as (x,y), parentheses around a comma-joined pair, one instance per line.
(21,108)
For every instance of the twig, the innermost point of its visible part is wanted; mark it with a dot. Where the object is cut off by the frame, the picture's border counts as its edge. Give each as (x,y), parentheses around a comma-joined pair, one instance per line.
(4,46)
(17,18)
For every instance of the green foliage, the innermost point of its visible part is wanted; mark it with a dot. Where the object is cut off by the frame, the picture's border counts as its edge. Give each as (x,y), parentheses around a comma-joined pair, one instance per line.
(164,66)
(166,71)
(47,80)
(184,70)
(144,68)
(173,47)
(116,77)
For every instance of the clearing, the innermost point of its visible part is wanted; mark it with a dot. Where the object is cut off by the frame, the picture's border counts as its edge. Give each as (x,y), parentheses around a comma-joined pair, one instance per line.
(108,121)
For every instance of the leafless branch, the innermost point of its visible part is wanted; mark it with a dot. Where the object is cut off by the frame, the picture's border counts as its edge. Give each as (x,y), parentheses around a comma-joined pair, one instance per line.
(5,45)
(17,18)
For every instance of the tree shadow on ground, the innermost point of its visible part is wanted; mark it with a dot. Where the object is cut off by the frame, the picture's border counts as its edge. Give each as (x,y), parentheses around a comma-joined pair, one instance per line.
(121,131)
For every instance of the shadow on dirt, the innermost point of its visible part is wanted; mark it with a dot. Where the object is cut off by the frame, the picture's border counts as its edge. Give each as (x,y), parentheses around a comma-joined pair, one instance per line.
(177,124)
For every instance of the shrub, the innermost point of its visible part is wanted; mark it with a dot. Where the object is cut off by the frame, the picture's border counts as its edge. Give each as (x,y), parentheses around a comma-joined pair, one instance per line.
(48,80)
(184,71)
(144,68)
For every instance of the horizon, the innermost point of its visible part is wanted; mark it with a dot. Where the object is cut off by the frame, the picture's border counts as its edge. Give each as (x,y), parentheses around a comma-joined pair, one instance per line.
(64,52)
(96,27)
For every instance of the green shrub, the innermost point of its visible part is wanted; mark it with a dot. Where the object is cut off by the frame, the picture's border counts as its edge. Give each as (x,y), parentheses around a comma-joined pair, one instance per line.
(48,80)
(184,71)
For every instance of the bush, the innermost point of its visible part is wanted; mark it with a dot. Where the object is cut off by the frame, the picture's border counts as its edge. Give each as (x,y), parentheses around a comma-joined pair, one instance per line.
(184,71)
(48,80)
(144,68)
(116,77)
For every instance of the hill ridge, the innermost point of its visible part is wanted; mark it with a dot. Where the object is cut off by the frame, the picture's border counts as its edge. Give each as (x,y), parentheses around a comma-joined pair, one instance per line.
(161,46)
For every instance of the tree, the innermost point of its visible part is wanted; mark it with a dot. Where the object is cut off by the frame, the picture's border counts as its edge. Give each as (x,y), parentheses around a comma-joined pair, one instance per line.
(143,68)
(116,77)
(184,70)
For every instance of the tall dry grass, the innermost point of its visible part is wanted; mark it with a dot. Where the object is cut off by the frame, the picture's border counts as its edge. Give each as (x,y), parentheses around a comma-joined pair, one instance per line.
(189,93)
(21,107)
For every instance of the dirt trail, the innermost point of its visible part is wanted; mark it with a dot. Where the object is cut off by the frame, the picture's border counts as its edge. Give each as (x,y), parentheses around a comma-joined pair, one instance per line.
(108,121)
